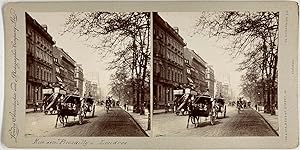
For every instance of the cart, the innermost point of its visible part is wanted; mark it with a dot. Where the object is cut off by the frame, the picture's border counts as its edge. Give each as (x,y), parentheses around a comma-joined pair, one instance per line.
(89,106)
(70,106)
(220,106)
(51,98)
(201,106)
(181,104)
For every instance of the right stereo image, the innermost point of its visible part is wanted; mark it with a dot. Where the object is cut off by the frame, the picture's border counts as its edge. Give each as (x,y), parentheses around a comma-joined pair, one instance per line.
(215,74)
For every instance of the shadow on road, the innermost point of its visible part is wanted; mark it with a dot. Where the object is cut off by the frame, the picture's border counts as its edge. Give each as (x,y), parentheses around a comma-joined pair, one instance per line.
(88,117)
(72,123)
(204,124)
(223,117)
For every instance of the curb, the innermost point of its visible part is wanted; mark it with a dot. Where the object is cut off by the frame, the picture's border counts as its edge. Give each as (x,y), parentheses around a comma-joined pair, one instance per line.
(267,122)
(163,112)
(137,124)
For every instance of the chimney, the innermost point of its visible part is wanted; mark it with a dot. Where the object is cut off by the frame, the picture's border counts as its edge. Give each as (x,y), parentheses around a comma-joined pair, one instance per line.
(44,27)
(176,29)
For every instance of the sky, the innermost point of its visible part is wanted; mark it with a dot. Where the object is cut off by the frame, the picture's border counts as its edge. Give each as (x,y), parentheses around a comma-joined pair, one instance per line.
(208,49)
(76,47)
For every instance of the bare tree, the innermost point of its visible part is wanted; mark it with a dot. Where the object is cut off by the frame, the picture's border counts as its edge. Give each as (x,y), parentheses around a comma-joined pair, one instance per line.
(252,36)
(122,36)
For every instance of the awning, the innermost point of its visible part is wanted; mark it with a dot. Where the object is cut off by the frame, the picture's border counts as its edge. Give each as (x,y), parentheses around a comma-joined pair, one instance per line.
(190,80)
(58,78)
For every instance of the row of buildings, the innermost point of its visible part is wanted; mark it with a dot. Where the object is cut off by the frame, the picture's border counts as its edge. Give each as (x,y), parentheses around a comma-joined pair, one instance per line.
(48,65)
(175,66)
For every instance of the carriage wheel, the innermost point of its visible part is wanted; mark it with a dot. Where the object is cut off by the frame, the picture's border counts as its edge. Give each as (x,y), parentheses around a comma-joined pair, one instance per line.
(62,120)
(93,114)
(213,118)
(84,113)
(80,119)
(193,120)
(224,111)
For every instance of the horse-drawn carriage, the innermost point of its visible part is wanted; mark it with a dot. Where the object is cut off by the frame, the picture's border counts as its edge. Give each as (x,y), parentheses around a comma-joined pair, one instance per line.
(51,98)
(201,106)
(220,106)
(89,105)
(70,106)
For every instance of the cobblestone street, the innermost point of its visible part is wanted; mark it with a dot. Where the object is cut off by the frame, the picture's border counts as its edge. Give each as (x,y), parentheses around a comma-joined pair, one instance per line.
(116,122)
(247,123)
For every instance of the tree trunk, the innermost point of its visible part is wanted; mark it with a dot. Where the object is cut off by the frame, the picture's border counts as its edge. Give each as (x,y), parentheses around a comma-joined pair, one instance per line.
(273,86)
(143,81)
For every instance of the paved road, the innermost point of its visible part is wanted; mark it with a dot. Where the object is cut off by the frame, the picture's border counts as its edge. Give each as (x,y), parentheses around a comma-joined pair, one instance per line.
(116,122)
(247,123)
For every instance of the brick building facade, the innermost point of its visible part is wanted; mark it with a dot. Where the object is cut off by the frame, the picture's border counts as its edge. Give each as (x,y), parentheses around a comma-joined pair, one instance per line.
(66,69)
(39,60)
(195,71)
(168,61)
(79,78)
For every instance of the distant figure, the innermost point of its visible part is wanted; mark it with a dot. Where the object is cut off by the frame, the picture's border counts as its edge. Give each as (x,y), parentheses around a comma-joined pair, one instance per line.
(76,92)
(207,93)
(108,103)
(256,107)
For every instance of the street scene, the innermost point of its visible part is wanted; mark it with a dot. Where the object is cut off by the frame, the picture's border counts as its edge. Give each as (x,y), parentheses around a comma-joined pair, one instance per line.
(246,123)
(116,122)
(215,74)
(88,74)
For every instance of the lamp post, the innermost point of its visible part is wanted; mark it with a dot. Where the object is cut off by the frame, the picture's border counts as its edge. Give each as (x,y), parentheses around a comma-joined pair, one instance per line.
(167,101)
(259,98)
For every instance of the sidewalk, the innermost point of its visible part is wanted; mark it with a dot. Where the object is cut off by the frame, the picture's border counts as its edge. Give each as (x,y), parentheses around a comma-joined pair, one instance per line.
(142,120)
(271,119)
(161,111)
(32,111)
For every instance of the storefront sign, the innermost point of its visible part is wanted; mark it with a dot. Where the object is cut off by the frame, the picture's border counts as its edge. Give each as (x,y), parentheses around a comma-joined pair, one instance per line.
(56,90)
(177,92)
(63,92)
(187,91)
(47,91)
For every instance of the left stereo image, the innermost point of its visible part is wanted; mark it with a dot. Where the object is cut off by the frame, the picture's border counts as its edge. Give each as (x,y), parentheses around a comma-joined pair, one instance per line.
(88,74)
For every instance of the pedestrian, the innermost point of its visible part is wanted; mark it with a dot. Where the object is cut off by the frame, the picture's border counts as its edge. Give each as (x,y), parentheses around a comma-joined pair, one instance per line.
(36,105)
(256,107)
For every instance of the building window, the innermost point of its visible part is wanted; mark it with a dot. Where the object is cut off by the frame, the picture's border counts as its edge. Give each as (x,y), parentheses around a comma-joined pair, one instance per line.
(45,75)
(37,72)
(172,75)
(40,73)
(169,73)
(32,70)
(175,78)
